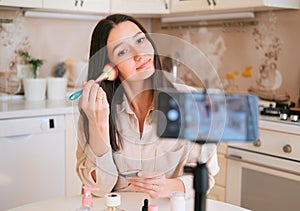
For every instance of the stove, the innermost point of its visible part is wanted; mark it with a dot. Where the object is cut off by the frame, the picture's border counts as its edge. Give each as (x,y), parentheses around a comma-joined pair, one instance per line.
(285,112)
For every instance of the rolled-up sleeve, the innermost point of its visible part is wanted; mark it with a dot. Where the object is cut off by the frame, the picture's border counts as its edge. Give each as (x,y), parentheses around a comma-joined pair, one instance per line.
(87,163)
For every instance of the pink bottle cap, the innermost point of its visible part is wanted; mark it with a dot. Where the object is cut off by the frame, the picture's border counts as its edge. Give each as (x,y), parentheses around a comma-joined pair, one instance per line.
(152,207)
(87,196)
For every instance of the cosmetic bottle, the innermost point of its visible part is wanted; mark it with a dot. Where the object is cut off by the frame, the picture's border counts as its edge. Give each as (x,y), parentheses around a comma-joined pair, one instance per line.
(87,199)
(112,202)
(153,207)
(145,206)
(177,201)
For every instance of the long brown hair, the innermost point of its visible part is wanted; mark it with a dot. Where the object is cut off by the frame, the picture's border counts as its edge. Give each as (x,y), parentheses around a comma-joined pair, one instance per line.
(99,58)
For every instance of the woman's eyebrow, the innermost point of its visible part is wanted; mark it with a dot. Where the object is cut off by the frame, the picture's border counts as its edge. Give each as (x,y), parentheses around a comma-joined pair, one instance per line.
(122,42)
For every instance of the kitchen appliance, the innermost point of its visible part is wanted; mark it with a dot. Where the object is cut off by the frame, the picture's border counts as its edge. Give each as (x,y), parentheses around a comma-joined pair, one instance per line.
(283,110)
(266,175)
(32,154)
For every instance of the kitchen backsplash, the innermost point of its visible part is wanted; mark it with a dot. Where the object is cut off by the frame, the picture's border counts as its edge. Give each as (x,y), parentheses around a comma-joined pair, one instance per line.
(260,54)
(263,55)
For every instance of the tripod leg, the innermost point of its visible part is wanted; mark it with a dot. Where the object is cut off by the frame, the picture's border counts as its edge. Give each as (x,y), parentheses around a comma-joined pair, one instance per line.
(200,186)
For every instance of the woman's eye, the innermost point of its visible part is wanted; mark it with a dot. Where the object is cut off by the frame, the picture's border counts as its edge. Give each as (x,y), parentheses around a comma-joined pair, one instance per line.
(122,52)
(140,40)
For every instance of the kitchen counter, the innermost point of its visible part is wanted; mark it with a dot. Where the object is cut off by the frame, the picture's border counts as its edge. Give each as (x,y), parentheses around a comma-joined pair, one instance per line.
(274,123)
(21,108)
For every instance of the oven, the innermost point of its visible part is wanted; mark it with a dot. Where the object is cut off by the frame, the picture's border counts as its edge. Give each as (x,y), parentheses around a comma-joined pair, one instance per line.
(265,175)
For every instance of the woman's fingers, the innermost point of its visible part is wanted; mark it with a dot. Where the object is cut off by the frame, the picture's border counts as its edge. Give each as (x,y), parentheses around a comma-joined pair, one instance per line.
(93,101)
(153,186)
(86,91)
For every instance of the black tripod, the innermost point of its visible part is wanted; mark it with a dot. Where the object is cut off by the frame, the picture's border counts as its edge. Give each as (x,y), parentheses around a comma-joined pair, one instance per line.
(200,184)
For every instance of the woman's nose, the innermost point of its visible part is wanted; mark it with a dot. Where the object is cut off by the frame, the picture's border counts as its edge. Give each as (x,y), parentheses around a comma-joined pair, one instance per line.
(137,57)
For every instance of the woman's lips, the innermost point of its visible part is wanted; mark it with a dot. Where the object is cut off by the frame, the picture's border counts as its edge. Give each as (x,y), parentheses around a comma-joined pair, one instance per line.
(145,64)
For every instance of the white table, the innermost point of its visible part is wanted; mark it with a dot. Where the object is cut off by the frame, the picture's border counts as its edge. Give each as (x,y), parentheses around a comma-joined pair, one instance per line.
(131,201)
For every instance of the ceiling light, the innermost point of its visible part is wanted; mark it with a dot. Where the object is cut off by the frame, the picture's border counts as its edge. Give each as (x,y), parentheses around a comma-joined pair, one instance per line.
(203,17)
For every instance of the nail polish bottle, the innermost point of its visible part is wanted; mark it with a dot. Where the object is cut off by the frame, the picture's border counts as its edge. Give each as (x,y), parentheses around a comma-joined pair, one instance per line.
(145,206)
(87,199)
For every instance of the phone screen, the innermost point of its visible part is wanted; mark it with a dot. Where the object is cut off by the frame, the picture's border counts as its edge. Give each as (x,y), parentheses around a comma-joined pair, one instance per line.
(208,117)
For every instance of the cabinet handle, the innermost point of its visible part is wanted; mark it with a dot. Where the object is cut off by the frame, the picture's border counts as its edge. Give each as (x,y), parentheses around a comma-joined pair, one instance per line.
(211,2)
(166,4)
(76,3)
(257,143)
(81,3)
(16,138)
(287,148)
(235,157)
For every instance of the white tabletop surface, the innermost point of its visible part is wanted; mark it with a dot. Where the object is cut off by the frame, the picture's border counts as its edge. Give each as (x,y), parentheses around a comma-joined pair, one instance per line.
(130,201)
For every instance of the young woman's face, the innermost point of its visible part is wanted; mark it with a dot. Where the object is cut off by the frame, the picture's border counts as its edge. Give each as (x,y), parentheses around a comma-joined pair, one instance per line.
(131,51)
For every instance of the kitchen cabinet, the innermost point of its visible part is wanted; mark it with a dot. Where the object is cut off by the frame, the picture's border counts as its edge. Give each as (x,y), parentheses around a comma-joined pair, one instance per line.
(89,6)
(73,183)
(256,171)
(38,132)
(140,6)
(180,6)
(22,3)
(189,6)
(271,131)
(31,153)
(218,192)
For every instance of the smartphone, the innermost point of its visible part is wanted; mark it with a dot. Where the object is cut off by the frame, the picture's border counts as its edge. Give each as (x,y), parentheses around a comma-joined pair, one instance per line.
(208,117)
(131,173)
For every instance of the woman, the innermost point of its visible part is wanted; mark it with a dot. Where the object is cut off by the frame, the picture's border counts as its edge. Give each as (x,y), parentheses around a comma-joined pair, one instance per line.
(117,130)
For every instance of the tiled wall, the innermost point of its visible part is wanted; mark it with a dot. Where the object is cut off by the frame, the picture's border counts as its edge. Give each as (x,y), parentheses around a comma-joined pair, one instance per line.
(238,53)
(232,50)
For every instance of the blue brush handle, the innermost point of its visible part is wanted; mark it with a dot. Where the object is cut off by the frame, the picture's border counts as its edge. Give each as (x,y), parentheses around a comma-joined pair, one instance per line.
(75,95)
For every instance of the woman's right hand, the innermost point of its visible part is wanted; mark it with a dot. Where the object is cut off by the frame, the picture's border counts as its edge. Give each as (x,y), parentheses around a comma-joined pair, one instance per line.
(95,105)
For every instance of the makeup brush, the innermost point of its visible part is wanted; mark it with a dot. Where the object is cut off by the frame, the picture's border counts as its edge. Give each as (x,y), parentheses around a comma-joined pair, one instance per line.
(110,73)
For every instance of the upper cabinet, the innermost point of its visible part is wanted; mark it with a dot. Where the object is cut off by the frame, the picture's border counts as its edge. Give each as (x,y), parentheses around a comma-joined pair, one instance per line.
(140,6)
(22,3)
(151,8)
(183,6)
(93,6)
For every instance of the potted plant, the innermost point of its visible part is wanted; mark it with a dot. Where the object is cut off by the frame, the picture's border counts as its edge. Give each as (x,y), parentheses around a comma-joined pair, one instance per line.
(35,63)
(34,87)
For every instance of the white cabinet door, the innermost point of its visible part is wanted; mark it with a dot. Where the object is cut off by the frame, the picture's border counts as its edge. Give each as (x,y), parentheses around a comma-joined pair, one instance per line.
(98,6)
(140,6)
(94,6)
(60,5)
(32,154)
(73,183)
(22,3)
(189,5)
(229,5)
(255,4)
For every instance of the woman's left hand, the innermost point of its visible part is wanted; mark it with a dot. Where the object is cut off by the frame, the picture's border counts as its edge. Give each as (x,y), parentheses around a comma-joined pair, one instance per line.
(156,185)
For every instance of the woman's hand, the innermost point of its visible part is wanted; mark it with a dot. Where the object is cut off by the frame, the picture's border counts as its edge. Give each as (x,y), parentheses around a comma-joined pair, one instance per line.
(94,104)
(156,185)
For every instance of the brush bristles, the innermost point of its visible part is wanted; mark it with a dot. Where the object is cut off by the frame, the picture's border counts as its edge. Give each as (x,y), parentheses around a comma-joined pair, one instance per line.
(111,71)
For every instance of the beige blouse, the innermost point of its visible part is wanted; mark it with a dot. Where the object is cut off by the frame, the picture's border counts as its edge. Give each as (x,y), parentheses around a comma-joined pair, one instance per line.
(145,152)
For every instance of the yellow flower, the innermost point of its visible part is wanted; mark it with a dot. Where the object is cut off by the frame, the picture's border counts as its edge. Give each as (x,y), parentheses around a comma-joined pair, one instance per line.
(230,76)
(247,71)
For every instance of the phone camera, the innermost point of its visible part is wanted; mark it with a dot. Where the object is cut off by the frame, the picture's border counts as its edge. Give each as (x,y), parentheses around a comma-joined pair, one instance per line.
(172,115)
